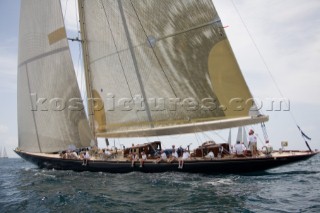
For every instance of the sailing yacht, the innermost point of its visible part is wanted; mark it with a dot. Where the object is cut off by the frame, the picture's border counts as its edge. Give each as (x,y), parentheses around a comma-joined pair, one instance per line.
(152,68)
(3,153)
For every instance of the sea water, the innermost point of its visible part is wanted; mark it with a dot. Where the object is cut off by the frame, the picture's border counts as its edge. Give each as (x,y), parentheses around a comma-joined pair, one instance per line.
(292,188)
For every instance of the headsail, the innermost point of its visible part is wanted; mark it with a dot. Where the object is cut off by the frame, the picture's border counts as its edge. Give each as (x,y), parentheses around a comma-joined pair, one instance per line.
(50,116)
(242,135)
(162,67)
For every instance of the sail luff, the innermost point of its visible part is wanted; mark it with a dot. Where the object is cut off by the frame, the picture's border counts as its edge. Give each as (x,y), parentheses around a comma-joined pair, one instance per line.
(186,128)
(88,79)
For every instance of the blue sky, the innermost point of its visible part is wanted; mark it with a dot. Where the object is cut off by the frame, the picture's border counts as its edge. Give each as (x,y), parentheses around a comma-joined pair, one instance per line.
(285,32)
(9,22)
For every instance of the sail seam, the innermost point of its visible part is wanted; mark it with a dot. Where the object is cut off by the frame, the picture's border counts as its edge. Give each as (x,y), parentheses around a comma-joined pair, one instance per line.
(117,52)
(158,39)
(33,114)
(189,30)
(135,63)
(43,56)
(153,50)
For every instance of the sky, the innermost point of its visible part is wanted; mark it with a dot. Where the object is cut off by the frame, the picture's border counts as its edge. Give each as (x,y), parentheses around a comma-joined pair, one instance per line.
(276,43)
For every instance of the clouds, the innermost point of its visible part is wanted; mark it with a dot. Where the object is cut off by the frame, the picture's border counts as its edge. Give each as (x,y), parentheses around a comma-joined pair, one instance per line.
(287,35)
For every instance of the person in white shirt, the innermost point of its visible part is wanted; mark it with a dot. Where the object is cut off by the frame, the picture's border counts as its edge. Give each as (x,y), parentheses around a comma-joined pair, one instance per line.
(184,157)
(174,156)
(240,149)
(143,158)
(107,152)
(163,157)
(269,148)
(210,155)
(253,143)
(134,158)
(86,158)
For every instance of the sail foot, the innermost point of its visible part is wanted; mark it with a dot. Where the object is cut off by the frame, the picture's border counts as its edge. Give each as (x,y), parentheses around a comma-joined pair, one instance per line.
(185,128)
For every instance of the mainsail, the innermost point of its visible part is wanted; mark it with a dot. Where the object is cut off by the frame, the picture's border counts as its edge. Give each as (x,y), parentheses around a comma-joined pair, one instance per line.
(50,112)
(161,67)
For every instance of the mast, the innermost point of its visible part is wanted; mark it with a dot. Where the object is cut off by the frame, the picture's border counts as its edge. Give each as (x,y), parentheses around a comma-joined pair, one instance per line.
(90,98)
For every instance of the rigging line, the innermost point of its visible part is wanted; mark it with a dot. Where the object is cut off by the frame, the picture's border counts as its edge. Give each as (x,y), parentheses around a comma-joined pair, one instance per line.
(143,44)
(189,30)
(117,50)
(262,58)
(154,51)
(157,58)
(264,129)
(197,138)
(135,62)
(220,136)
(33,112)
(267,67)
(206,135)
(118,54)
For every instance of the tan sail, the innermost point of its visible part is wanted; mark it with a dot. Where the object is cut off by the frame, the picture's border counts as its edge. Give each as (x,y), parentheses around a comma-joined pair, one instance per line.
(49,118)
(162,65)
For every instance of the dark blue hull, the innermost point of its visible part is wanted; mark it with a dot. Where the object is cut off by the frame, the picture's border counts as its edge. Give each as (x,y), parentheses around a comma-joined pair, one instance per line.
(236,165)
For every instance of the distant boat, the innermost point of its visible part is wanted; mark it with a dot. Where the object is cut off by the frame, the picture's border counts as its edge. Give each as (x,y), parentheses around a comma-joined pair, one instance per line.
(152,68)
(3,153)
